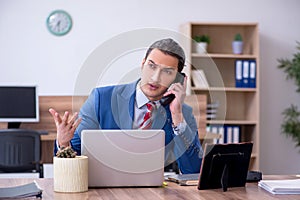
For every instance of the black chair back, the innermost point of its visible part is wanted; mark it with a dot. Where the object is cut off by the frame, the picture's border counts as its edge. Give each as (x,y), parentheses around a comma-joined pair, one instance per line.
(20,151)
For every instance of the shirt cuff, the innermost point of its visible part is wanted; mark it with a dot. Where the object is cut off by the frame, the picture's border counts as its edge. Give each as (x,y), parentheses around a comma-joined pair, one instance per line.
(58,147)
(180,128)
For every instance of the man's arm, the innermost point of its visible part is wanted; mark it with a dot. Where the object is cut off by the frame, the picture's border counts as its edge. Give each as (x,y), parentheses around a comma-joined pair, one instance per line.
(187,147)
(88,120)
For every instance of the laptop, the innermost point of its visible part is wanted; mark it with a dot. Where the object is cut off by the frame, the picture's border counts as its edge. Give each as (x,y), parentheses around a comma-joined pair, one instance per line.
(124,158)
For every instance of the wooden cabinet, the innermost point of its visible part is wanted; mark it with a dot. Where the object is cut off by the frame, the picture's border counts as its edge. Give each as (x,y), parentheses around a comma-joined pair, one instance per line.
(237,106)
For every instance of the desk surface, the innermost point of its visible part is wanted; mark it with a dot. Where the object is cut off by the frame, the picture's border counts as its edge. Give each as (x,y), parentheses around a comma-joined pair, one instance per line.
(172,191)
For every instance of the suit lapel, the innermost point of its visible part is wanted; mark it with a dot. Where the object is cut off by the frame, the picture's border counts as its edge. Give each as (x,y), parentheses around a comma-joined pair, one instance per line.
(123,99)
(123,105)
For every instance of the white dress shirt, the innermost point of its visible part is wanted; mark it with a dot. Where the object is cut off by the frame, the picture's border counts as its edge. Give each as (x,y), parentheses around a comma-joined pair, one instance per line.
(140,110)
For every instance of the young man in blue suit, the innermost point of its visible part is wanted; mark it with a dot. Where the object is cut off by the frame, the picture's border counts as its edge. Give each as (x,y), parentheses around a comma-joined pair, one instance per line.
(124,107)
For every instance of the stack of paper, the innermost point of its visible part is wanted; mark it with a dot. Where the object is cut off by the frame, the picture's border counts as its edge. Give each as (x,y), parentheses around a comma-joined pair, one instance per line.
(281,186)
(21,191)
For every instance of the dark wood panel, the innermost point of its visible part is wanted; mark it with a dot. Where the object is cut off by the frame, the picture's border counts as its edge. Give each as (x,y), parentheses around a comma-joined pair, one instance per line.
(47,151)
(60,104)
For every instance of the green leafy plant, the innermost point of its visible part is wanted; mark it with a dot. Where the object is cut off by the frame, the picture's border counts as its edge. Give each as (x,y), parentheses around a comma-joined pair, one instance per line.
(238,37)
(66,152)
(292,67)
(202,38)
(291,122)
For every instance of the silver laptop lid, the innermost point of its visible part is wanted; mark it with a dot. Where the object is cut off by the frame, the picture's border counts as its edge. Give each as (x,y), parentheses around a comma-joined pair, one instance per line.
(124,157)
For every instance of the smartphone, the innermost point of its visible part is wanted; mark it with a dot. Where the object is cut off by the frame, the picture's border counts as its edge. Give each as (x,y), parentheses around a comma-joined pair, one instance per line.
(169,98)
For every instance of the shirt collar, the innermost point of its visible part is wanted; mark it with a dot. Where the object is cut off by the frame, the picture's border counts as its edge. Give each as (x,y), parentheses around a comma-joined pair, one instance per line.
(140,97)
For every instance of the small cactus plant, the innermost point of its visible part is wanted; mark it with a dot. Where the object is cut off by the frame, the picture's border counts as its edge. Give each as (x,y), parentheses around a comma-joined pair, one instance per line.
(238,37)
(66,152)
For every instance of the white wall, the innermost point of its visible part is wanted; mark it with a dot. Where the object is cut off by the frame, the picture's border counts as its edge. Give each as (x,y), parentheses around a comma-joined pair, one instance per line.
(30,54)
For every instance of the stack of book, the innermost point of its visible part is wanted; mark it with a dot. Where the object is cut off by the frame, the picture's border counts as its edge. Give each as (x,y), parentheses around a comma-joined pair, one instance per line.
(185,179)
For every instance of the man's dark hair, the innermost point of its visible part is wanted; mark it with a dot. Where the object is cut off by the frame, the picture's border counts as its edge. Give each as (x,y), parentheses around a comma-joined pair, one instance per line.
(170,47)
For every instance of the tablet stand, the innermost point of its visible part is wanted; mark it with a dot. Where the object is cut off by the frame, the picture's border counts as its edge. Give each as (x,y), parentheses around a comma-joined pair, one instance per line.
(226,159)
(224,178)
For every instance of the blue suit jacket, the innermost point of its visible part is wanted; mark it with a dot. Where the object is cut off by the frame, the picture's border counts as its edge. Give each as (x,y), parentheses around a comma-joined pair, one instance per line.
(112,107)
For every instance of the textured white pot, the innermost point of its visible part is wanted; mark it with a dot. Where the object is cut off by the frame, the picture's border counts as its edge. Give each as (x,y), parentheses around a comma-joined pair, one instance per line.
(200,47)
(237,47)
(70,174)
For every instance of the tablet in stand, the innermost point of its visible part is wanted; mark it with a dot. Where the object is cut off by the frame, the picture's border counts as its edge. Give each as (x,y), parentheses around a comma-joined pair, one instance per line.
(225,165)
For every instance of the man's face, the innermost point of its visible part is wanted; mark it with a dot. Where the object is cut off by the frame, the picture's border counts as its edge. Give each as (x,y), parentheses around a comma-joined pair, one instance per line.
(158,72)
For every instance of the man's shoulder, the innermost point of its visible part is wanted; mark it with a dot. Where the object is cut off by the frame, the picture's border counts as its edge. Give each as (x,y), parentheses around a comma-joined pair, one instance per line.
(104,88)
(115,88)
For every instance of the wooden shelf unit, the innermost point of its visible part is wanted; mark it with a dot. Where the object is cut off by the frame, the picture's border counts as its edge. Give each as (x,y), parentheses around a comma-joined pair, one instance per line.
(237,106)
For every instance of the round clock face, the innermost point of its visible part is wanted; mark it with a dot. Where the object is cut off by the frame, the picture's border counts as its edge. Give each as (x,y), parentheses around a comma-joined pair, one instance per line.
(59,22)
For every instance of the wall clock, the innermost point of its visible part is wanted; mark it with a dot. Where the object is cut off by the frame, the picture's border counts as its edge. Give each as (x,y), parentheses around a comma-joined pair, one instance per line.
(59,22)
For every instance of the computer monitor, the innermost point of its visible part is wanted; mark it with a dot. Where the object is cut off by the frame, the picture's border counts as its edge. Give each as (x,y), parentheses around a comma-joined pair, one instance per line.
(18,104)
(225,165)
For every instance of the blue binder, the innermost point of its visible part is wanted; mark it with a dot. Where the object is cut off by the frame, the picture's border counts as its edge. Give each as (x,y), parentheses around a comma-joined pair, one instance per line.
(238,73)
(229,134)
(232,134)
(252,77)
(246,70)
(225,134)
(236,134)
(221,131)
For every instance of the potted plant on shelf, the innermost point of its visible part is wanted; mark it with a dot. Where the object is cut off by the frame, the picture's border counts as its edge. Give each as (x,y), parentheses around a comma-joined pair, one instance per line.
(237,44)
(200,43)
(70,172)
(291,121)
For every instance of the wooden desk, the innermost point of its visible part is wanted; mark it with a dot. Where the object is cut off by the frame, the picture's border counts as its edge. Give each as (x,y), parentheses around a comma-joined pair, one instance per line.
(172,191)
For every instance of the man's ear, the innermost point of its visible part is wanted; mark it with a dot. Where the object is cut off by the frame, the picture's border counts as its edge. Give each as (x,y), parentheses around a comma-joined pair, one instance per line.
(143,62)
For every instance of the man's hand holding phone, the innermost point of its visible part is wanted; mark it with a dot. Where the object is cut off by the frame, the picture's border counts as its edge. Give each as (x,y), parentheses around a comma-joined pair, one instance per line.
(178,89)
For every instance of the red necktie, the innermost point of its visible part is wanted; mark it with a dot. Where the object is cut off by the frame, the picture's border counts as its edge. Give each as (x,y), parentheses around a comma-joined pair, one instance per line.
(147,122)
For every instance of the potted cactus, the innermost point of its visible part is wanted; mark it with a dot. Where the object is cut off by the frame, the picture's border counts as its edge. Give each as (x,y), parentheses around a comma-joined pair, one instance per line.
(70,172)
(237,44)
(200,43)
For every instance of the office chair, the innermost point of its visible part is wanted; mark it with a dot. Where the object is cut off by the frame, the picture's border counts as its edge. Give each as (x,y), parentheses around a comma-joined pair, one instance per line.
(20,151)
(173,167)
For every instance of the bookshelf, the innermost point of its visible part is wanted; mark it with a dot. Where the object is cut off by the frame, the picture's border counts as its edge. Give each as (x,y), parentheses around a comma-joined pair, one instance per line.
(237,106)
